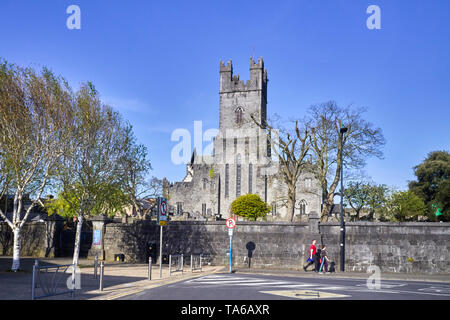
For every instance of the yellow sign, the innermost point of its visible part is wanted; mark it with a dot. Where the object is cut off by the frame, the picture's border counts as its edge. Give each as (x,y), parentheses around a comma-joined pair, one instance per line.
(306,294)
(162,223)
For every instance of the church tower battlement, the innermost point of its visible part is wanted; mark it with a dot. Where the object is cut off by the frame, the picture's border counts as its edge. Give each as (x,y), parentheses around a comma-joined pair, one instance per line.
(231,83)
(238,100)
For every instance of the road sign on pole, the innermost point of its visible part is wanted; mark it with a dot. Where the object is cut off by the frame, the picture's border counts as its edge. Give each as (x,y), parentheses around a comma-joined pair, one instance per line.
(230,224)
(162,220)
(162,211)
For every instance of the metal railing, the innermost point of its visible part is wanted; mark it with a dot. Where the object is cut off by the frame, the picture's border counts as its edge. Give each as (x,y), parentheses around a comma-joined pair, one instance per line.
(196,262)
(177,261)
(52,280)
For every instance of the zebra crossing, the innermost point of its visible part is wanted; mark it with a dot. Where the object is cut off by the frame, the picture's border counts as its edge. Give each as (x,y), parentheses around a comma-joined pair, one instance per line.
(236,281)
(261,284)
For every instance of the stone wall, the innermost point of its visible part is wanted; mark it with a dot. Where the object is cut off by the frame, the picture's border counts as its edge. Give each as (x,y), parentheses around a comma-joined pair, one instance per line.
(34,240)
(394,247)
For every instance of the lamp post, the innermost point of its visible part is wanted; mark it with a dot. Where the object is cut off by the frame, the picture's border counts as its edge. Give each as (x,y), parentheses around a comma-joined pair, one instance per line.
(342,240)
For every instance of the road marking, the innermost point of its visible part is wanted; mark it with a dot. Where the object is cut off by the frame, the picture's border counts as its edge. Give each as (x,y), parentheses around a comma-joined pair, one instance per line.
(124,294)
(437,289)
(306,294)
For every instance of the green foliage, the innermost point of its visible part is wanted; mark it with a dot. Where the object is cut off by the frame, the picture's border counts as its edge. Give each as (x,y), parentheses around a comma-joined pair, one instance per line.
(250,206)
(366,195)
(211,172)
(404,206)
(433,183)
(107,199)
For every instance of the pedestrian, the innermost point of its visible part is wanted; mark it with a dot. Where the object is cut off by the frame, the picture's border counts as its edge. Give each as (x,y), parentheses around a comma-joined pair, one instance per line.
(313,259)
(323,260)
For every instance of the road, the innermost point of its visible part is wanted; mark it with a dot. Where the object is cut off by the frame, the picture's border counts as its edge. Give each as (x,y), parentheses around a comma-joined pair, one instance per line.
(241,286)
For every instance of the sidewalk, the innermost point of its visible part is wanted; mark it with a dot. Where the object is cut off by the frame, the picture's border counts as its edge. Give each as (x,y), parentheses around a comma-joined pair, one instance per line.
(120,279)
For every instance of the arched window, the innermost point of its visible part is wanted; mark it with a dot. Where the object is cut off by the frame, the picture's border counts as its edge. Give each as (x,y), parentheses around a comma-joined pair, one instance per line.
(238,176)
(239,115)
(302,207)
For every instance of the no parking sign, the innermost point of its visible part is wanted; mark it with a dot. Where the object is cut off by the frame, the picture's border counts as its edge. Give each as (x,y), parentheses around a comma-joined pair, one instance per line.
(162,211)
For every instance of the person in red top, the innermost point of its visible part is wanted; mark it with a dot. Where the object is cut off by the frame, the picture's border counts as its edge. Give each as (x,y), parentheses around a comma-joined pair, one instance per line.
(313,257)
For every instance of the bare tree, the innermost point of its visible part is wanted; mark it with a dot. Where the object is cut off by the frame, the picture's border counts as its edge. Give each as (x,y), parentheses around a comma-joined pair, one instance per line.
(34,114)
(361,141)
(291,147)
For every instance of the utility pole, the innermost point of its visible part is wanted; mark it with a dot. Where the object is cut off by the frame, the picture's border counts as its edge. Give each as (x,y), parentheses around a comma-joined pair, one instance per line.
(342,240)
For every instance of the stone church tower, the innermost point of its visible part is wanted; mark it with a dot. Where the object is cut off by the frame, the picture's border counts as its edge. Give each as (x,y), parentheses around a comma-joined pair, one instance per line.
(242,160)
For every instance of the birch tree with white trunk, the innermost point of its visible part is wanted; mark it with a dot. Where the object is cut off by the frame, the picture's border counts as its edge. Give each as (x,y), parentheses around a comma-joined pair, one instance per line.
(34,114)
(90,165)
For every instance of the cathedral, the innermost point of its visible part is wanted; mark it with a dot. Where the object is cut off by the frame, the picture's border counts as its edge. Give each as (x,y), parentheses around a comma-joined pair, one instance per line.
(242,160)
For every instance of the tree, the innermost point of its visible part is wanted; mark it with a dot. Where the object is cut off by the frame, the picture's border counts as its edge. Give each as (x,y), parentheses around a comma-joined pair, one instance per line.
(90,167)
(360,141)
(365,195)
(250,206)
(405,206)
(357,195)
(291,148)
(134,166)
(110,200)
(433,183)
(35,112)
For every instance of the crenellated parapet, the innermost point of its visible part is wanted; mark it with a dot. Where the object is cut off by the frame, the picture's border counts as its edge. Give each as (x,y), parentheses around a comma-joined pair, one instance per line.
(232,83)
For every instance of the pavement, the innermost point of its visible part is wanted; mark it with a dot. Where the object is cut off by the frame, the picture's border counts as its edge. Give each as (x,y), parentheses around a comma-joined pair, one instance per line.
(120,279)
(124,279)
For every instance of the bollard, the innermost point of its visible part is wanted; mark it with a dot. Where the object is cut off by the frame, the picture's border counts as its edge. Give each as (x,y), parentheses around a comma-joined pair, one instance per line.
(200,263)
(182,263)
(95,266)
(102,266)
(192,265)
(170,264)
(150,268)
(33,281)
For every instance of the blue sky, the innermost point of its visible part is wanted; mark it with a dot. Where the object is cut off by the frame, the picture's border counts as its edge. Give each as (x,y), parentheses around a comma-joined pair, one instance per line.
(157,62)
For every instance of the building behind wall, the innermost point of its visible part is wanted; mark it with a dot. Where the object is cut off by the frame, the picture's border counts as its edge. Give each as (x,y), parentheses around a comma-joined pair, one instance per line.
(242,161)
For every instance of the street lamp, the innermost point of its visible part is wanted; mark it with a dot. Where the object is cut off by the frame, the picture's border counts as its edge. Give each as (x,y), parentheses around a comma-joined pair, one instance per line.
(342,242)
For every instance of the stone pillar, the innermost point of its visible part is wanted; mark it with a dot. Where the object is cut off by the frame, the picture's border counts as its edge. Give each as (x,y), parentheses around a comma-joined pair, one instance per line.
(98,227)
(313,219)
(53,225)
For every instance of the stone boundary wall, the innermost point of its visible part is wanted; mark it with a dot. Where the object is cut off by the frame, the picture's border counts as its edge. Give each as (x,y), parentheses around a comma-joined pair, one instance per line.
(394,247)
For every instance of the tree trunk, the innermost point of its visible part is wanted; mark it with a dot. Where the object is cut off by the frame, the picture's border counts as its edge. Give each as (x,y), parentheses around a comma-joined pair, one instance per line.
(16,250)
(76,251)
(291,203)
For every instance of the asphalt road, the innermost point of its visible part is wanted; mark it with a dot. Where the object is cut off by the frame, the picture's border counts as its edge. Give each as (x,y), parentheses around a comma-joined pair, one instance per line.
(240,286)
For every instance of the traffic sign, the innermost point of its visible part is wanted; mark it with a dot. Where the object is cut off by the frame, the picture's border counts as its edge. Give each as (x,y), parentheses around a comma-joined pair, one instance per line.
(162,210)
(230,223)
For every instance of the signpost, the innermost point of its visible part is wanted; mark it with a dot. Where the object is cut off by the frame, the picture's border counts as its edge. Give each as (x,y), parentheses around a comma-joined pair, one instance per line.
(230,223)
(162,220)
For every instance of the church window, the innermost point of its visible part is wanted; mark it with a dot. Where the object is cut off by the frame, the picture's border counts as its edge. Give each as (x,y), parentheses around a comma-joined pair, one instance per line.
(308,183)
(227,179)
(302,207)
(250,178)
(179,208)
(204,209)
(239,113)
(238,177)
